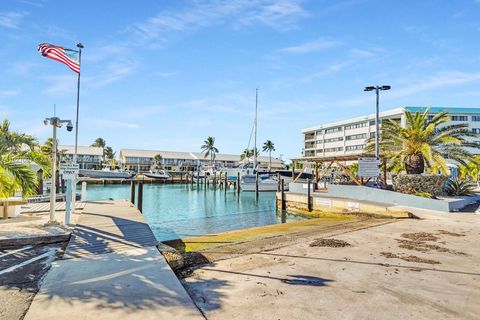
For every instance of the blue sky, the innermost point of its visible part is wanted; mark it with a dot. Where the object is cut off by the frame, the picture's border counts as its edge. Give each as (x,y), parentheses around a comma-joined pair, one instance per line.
(167,74)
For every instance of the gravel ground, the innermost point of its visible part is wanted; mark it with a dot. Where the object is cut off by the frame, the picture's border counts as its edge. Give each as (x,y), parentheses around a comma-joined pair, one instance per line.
(19,284)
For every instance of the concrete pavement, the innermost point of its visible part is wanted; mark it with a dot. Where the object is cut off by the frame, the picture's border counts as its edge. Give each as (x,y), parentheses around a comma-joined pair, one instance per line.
(382,275)
(112,270)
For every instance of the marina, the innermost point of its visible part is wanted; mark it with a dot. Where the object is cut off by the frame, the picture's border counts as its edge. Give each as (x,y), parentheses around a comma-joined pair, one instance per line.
(179,210)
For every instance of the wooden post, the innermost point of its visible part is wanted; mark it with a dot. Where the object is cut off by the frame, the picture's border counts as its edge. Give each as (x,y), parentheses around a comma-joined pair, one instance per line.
(309,200)
(238,182)
(278,179)
(385,172)
(256,184)
(5,209)
(225,181)
(132,192)
(293,171)
(284,205)
(140,196)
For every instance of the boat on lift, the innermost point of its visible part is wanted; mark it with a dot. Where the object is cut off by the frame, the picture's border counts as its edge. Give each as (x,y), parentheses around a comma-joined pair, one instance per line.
(159,174)
(106,173)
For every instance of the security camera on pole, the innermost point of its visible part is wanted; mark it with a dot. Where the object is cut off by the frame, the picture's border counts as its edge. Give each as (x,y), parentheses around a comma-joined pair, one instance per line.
(55,122)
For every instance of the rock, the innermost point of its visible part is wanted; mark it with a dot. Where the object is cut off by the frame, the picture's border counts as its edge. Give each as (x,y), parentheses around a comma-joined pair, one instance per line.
(173,257)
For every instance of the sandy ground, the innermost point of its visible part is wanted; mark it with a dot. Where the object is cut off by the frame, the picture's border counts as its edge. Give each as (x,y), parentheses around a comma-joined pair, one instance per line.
(408,269)
(36,225)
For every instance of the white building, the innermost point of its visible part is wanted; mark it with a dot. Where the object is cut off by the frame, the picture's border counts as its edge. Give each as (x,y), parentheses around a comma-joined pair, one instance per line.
(348,137)
(142,160)
(87,157)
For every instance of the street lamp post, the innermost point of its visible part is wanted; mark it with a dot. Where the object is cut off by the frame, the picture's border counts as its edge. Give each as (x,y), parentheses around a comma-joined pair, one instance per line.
(377,116)
(55,122)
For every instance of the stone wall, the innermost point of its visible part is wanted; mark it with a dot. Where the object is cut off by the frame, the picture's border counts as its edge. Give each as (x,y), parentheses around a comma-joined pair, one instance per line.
(415,183)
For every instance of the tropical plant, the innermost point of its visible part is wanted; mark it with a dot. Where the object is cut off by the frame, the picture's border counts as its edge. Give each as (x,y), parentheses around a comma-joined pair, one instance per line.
(470,170)
(100,143)
(209,149)
(459,187)
(248,153)
(157,160)
(47,149)
(423,143)
(109,153)
(18,153)
(269,146)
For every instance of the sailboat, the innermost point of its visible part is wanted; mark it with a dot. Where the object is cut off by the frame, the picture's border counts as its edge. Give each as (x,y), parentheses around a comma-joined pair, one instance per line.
(248,182)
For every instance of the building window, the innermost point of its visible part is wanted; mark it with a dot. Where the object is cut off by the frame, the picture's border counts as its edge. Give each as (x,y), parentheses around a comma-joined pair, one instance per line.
(459,118)
(476,130)
(332,130)
(333,149)
(372,122)
(333,139)
(475,118)
(356,125)
(356,136)
(355,147)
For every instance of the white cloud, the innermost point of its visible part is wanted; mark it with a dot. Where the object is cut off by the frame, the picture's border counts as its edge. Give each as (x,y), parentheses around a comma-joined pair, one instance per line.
(113,71)
(312,46)
(279,14)
(9,93)
(165,74)
(113,124)
(440,80)
(11,20)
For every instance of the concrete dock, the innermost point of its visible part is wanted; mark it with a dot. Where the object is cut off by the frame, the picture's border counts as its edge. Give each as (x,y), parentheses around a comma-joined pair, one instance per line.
(112,270)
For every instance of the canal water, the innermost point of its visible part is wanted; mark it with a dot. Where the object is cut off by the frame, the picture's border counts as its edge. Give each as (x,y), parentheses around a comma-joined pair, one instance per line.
(175,211)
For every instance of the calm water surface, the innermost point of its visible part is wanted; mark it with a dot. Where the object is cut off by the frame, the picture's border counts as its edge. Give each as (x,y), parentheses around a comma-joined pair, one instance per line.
(176,211)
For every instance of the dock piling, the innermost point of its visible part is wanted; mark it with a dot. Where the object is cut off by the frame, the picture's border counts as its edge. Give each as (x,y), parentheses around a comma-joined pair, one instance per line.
(309,198)
(256,184)
(238,183)
(140,197)
(284,205)
(132,192)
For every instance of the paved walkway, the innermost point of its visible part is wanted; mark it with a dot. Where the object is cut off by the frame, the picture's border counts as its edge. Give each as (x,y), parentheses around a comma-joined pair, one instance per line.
(44,207)
(112,270)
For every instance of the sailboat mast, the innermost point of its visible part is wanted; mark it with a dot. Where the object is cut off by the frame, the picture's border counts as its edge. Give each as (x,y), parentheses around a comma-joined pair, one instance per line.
(255,138)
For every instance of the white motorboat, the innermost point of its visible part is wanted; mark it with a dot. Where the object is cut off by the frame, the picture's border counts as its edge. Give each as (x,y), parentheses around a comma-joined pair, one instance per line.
(265,183)
(157,174)
(105,173)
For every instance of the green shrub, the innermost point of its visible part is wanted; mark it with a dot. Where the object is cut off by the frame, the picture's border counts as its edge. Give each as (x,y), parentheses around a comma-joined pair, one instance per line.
(459,188)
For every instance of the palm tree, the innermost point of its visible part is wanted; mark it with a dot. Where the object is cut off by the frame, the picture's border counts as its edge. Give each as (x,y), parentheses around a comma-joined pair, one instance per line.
(209,148)
(18,151)
(109,153)
(423,143)
(269,146)
(248,153)
(100,143)
(157,160)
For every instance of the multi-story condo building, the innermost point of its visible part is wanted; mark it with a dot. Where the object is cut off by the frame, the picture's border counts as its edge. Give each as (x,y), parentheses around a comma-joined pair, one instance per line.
(87,157)
(348,137)
(142,160)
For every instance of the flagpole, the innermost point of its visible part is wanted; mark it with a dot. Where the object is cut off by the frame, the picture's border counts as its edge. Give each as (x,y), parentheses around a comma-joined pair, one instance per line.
(79,46)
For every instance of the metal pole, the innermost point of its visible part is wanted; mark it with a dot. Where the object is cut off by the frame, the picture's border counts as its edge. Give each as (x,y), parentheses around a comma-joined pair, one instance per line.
(68,201)
(255,138)
(80,46)
(377,125)
(53,188)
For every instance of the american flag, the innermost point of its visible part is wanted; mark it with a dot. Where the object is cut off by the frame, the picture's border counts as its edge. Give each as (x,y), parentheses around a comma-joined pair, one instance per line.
(66,56)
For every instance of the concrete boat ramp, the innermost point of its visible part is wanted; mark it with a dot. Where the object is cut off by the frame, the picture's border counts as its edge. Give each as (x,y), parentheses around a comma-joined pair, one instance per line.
(112,270)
